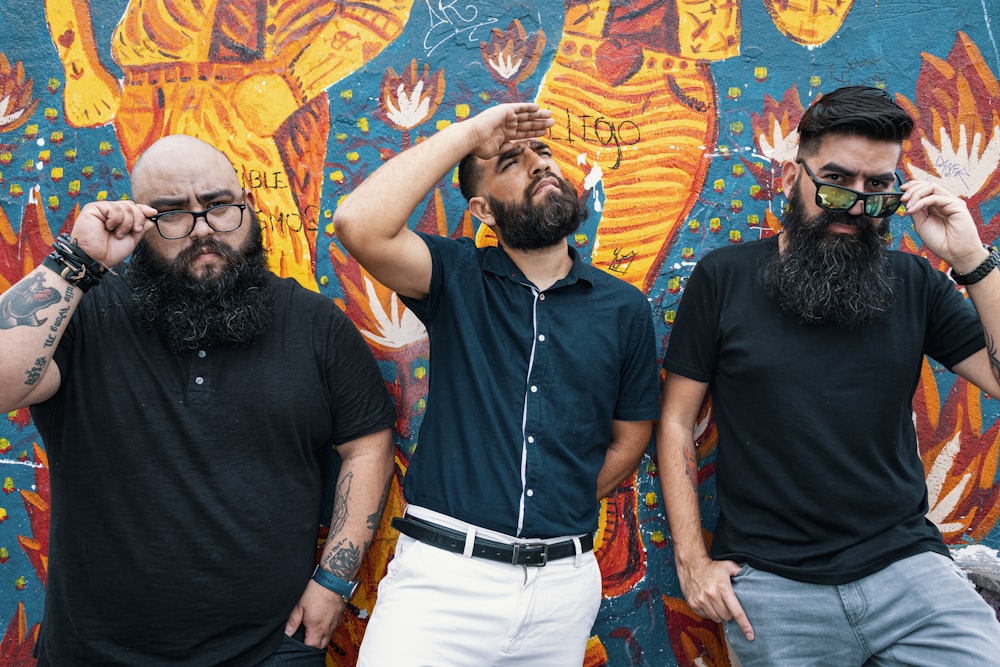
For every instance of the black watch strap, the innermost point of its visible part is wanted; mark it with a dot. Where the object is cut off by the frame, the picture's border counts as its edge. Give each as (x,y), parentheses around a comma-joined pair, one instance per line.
(980,271)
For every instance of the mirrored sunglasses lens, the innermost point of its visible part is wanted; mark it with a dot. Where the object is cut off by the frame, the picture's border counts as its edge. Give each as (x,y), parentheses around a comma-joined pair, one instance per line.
(834,198)
(882,205)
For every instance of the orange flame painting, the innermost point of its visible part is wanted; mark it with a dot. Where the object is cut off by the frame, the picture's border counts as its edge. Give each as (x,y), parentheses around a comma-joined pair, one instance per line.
(511,56)
(957,137)
(16,103)
(411,98)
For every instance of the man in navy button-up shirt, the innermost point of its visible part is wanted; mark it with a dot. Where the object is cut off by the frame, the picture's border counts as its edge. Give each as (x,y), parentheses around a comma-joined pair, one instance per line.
(543,387)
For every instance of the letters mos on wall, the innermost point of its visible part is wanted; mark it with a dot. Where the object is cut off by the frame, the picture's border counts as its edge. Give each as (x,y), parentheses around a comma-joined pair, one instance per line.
(673,115)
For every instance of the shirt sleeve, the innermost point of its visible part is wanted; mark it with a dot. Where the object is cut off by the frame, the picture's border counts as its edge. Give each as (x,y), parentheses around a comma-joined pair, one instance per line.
(692,350)
(446,255)
(638,399)
(954,332)
(361,404)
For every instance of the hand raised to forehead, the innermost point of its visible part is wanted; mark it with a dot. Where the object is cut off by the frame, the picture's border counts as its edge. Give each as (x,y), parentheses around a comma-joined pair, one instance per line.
(498,127)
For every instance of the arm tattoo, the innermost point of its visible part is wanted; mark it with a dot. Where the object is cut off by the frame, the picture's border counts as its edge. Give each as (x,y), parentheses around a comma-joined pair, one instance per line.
(691,468)
(991,350)
(343,560)
(20,305)
(34,374)
(373,519)
(340,499)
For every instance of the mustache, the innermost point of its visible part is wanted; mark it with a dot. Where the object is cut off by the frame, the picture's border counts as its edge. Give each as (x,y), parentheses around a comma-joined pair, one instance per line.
(563,184)
(860,222)
(209,244)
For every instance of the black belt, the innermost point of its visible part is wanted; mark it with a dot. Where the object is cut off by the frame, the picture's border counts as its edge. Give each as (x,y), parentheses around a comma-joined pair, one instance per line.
(522,553)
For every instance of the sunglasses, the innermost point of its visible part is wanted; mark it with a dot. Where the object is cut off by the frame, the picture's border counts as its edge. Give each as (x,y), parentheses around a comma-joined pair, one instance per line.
(838,198)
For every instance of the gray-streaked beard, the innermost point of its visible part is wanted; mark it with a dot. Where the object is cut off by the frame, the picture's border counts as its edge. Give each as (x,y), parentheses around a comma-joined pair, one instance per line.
(233,305)
(823,277)
(528,226)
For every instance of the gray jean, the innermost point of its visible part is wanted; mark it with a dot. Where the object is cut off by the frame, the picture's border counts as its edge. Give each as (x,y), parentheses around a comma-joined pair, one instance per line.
(921,610)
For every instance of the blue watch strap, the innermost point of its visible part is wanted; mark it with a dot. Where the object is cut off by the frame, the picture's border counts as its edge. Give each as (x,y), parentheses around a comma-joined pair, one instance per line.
(332,582)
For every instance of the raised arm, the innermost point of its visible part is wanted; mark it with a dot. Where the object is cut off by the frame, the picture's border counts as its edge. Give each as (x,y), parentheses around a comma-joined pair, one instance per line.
(705,582)
(35,311)
(948,230)
(371,221)
(359,499)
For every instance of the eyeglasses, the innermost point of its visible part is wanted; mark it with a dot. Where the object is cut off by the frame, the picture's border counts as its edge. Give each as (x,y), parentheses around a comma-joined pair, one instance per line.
(177,224)
(834,197)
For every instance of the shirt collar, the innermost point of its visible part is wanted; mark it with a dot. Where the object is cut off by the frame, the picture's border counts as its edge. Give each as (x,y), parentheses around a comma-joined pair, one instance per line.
(497,261)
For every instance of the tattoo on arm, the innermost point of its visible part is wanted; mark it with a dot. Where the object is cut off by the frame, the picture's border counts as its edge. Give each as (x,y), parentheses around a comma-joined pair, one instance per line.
(343,559)
(340,499)
(373,519)
(20,305)
(691,468)
(34,374)
(991,350)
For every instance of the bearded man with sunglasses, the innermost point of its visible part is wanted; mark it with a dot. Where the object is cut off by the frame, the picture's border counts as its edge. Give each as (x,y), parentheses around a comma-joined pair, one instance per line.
(811,345)
(187,403)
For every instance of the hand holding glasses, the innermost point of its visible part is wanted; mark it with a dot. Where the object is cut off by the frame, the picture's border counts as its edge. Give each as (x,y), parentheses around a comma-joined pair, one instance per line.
(834,197)
(174,225)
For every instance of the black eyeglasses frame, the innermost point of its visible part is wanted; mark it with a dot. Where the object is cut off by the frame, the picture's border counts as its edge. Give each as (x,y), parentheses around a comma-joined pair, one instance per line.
(155,219)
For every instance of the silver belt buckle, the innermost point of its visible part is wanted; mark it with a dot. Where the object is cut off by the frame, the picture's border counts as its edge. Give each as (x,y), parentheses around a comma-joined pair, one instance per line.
(523,545)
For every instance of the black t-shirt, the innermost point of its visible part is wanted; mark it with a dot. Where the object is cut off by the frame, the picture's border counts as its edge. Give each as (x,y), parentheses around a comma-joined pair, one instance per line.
(186,488)
(818,473)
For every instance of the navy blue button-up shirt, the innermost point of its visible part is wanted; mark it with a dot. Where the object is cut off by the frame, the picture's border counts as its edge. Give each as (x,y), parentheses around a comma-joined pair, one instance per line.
(523,388)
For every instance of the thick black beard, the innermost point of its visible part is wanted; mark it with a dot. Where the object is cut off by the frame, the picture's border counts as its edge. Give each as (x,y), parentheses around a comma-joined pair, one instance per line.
(823,277)
(233,305)
(529,226)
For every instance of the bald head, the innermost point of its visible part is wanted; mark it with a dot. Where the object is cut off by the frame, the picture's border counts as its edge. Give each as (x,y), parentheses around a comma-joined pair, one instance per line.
(178,160)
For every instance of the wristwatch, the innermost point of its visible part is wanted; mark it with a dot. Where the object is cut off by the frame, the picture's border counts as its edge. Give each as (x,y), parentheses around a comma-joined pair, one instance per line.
(980,271)
(332,582)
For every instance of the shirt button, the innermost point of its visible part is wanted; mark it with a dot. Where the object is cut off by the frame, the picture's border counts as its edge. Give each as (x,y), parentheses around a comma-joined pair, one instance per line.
(530,493)
(201,354)
(199,380)
(541,297)
(531,439)
(534,389)
(541,337)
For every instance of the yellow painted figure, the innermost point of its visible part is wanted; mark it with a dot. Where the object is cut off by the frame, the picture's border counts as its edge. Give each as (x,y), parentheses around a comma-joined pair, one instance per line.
(636,105)
(251,83)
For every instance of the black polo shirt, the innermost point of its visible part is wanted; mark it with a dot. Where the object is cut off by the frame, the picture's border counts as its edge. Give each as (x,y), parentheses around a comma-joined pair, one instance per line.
(186,487)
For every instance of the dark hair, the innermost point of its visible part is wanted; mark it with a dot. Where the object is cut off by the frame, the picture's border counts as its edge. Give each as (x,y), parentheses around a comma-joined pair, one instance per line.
(858,110)
(470,172)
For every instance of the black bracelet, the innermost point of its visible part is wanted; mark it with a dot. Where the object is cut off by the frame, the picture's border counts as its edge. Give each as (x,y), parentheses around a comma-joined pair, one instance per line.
(74,265)
(980,271)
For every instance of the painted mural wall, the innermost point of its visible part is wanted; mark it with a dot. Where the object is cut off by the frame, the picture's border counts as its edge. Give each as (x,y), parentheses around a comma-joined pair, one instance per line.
(674,115)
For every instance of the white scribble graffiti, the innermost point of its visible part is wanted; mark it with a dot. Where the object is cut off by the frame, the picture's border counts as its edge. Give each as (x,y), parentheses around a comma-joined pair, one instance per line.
(452,18)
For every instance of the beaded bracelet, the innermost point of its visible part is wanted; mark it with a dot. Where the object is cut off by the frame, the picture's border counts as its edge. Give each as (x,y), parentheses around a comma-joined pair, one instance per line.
(74,265)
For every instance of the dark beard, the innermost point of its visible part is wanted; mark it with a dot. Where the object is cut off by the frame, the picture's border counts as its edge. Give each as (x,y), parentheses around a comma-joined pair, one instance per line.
(229,306)
(529,226)
(823,277)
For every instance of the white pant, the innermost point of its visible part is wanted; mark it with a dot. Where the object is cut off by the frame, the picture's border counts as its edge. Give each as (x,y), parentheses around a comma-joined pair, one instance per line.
(441,609)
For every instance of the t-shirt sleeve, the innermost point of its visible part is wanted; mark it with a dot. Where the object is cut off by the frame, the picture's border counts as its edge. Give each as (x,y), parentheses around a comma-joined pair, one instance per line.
(954,332)
(361,404)
(692,350)
(638,399)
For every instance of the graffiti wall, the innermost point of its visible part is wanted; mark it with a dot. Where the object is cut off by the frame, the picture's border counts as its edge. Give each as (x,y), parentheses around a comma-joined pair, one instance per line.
(673,115)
